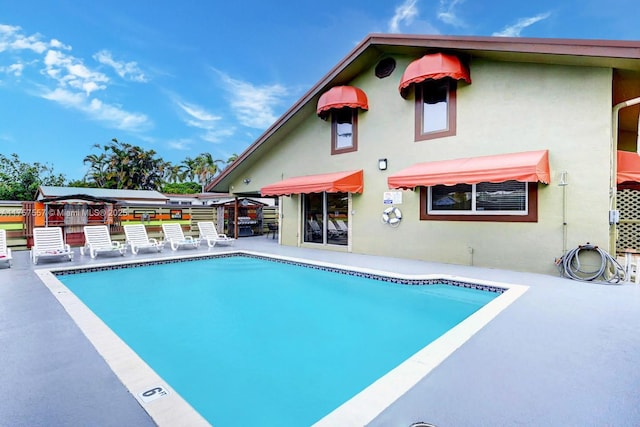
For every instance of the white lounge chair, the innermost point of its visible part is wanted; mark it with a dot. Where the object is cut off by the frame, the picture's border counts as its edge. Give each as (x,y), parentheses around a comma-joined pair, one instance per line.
(49,243)
(137,238)
(315,229)
(98,241)
(175,237)
(209,234)
(333,229)
(5,252)
(342,226)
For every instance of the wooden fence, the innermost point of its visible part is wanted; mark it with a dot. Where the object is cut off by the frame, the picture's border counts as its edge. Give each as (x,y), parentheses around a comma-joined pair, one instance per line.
(19,219)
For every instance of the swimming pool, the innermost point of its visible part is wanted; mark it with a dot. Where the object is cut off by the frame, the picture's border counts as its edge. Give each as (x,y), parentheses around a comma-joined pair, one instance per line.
(271,346)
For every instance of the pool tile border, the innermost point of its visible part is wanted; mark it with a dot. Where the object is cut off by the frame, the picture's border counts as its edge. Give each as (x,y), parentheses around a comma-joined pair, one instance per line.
(351,272)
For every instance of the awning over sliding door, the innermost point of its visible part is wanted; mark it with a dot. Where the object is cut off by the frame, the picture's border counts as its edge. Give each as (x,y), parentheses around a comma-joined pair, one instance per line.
(337,182)
(628,167)
(530,166)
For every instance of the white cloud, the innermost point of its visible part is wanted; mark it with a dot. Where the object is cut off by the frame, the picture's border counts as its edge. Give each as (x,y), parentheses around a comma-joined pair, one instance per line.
(70,82)
(11,39)
(8,29)
(126,70)
(198,113)
(198,117)
(15,69)
(218,135)
(404,15)
(70,71)
(516,29)
(65,97)
(180,144)
(28,43)
(57,44)
(118,118)
(253,106)
(447,14)
(113,116)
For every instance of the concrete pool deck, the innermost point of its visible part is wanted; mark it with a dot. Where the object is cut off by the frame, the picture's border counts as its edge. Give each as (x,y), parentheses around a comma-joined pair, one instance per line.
(563,354)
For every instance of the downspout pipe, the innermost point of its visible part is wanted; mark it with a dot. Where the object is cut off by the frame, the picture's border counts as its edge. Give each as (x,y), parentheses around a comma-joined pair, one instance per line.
(614,163)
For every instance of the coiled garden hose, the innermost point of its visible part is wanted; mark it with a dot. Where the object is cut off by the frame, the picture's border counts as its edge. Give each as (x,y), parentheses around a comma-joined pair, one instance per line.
(609,271)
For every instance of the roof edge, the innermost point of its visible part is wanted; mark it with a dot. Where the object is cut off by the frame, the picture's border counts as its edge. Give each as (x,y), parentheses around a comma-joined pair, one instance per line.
(628,49)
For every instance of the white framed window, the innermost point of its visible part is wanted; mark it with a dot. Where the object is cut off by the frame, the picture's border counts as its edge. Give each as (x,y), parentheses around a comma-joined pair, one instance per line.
(435,109)
(485,198)
(344,130)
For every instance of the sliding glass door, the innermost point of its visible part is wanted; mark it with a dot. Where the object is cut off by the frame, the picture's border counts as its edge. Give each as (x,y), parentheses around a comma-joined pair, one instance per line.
(325,218)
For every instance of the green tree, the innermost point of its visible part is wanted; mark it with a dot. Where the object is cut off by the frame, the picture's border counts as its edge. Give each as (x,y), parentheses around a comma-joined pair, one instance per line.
(81,183)
(20,181)
(126,166)
(181,188)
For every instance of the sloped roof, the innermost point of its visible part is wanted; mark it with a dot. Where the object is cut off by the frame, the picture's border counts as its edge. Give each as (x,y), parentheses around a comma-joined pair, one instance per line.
(75,198)
(48,191)
(620,55)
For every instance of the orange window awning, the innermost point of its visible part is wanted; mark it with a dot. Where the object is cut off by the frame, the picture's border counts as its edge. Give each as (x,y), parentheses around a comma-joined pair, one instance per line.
(530,166)
(337,182)
(434,66)
(341,97)
(628,167)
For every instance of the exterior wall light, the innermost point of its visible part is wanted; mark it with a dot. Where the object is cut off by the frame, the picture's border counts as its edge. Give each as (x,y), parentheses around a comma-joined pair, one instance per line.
(247,181)
(382,164)
(563,179)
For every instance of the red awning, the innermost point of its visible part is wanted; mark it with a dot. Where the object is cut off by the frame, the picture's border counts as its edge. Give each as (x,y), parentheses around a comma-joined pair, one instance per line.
(628,167)
(340,97)
(530,166)
(338,182)
(433,66)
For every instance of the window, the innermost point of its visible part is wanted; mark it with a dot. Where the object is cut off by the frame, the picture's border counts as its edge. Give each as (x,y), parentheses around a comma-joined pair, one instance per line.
(325,218)
(344,135)
(435,109)
(509,201)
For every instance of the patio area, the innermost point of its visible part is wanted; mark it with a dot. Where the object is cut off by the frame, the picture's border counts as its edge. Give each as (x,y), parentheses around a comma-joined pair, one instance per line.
(564,354)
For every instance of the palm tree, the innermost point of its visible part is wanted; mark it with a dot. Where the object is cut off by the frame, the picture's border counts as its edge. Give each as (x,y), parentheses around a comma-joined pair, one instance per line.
(232,159)
(175,173)
(97,173)
(189,169)
(203,167)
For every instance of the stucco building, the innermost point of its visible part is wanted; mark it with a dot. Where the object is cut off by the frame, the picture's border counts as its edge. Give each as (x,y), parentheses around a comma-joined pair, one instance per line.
(495,152)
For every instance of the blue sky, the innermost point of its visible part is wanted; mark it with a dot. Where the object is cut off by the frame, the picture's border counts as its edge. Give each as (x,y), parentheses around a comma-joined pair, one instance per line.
(188,77)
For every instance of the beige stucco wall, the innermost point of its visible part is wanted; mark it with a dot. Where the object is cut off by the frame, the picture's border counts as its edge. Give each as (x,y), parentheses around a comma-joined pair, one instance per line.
(509,107)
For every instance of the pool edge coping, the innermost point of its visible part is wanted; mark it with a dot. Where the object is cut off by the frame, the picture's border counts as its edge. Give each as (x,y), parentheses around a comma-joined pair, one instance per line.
(133,372)
(364,407)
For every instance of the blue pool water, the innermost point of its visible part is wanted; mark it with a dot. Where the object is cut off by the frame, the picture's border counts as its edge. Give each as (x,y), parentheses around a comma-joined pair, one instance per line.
(247,340)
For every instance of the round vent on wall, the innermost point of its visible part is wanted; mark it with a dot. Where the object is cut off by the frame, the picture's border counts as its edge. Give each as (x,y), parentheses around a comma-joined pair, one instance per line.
(385,67)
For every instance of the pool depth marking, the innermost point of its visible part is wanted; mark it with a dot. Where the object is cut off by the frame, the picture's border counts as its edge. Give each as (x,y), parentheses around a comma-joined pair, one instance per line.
(359,410)
(153,393)
(132,371)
